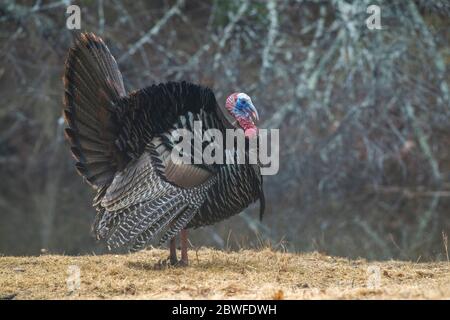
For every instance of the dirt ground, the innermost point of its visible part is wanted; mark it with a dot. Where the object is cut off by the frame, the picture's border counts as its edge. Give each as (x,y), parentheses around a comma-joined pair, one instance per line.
(215,274)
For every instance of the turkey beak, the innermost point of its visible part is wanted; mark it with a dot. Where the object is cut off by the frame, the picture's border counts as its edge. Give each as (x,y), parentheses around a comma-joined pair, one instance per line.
(254,113)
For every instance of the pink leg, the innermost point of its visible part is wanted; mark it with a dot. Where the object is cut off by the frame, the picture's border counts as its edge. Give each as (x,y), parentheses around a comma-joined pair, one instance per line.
(184,247)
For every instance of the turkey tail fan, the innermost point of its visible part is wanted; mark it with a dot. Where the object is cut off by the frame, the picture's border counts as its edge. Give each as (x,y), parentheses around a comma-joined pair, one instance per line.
(93,90)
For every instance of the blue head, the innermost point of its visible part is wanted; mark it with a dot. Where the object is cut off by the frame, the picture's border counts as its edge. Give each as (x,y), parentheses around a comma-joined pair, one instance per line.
(241,107)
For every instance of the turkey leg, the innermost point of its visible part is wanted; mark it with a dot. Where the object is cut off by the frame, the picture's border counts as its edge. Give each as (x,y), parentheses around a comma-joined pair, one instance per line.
(173,251)
(184,247)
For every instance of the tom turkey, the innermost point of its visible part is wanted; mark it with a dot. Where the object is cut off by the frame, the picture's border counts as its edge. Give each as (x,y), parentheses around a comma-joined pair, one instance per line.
(122,143)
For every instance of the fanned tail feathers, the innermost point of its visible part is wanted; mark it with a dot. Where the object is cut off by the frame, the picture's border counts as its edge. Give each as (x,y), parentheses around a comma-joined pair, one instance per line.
(93,90)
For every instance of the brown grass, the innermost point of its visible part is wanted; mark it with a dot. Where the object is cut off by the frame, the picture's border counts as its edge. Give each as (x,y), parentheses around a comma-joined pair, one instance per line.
(215,274)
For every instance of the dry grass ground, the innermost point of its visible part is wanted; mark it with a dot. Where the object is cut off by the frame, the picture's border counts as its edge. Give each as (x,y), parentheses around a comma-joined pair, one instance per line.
(222,275)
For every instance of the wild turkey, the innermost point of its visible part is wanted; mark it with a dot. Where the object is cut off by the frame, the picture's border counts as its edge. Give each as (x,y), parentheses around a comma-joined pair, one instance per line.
(122,144)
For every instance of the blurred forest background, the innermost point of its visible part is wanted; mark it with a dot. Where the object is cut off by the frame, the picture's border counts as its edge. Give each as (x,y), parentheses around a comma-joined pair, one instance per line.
(364,117)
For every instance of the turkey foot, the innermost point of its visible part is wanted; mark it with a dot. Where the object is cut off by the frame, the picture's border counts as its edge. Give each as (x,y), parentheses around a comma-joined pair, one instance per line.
(172,260)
